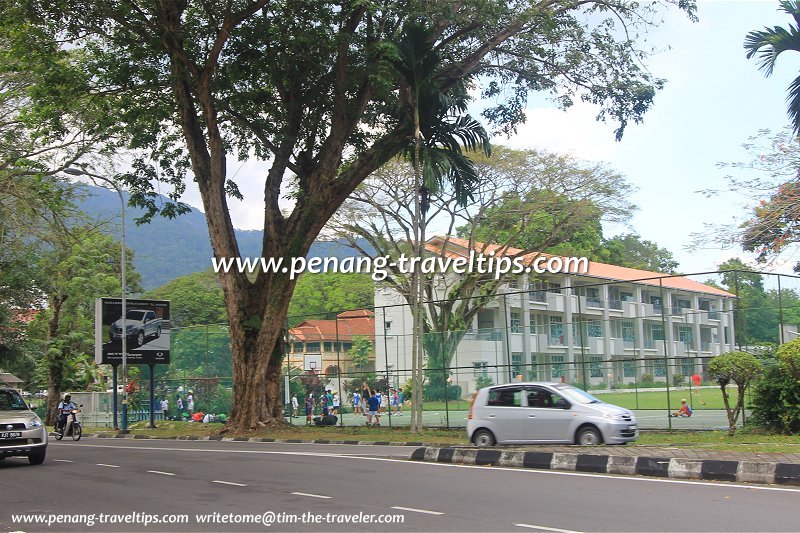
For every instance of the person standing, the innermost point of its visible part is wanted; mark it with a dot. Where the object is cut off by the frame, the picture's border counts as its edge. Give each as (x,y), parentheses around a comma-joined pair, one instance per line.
(179,405)
(165,407)
(373,415)
(295,405)
(400,401)
(356,403)
(336,402)
(190,403)
(309,408)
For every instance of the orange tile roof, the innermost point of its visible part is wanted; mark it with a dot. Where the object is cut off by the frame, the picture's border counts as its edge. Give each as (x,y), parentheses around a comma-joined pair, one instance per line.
(350,324)
(596,269)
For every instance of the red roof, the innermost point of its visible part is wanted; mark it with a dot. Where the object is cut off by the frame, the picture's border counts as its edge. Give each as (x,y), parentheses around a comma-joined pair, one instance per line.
(350,324)
(458,246)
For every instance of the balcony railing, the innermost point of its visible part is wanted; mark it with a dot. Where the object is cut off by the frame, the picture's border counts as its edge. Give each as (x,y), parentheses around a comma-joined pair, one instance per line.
(538,296)
(650,344)
(713,315)
(594,301)
(615,304)
(705,346)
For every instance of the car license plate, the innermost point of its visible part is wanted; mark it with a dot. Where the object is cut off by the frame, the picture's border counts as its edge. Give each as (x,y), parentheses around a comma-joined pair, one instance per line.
(10,434)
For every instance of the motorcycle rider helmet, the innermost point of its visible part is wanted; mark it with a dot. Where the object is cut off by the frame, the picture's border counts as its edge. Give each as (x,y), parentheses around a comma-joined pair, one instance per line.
(67,397)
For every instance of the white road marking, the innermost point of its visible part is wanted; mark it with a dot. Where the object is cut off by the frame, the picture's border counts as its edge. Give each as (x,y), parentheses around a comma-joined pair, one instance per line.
(321,496)
(543,528)
(159,472)
(229,483)
(414,510)
(109,466)
(521,471)
(62,461)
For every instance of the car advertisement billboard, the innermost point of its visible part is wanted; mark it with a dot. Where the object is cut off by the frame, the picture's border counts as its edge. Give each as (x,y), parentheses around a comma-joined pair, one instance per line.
(148,331)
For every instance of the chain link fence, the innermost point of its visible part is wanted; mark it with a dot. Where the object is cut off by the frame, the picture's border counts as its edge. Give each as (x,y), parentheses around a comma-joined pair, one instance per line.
(643,344)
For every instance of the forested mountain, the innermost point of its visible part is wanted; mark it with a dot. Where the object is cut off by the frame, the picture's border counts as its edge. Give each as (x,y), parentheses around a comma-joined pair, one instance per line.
(168,248)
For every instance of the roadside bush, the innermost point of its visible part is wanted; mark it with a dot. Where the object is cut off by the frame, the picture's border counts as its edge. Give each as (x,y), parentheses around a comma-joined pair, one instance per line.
(776,395)
(483,381)
(435,391)
(677,380)
(647,380)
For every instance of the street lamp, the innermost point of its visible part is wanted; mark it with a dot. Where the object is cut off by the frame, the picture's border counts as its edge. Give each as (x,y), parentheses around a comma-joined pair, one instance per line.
(112,183)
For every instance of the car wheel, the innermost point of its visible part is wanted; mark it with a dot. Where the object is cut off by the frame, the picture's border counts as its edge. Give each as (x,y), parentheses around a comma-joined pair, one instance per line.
(140,339)
(158,332)
(36,458)
(483,438)
(589,436)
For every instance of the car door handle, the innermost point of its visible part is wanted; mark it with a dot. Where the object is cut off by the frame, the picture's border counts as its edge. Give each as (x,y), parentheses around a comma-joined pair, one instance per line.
(491,416)
(531,416)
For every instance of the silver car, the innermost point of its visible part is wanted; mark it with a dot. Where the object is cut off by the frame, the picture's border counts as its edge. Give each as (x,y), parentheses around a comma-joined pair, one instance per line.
(21,431)
(533,413)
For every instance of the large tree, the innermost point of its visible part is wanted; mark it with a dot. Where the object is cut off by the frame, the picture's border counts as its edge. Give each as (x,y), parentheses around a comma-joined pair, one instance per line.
(307,86)
(527,201)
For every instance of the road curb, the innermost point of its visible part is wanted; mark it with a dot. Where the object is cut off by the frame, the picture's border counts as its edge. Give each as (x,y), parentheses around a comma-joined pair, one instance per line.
(252,439)
(665,467)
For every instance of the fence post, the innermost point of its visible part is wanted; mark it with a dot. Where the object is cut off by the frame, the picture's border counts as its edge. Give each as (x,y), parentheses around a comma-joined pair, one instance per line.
(666,350)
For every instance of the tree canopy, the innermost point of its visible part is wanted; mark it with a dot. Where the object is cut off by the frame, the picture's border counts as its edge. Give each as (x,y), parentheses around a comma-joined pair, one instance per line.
(187,86)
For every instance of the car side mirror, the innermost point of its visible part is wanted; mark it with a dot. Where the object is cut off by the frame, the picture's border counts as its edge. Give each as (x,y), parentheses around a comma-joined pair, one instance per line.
(562,404)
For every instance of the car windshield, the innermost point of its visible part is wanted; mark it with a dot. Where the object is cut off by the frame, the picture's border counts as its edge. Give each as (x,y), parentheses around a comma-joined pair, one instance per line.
(135,315)
(576,395)
(10,400)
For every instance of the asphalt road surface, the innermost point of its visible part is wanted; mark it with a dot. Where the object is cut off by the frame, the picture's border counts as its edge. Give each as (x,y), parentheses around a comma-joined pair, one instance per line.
(330,486)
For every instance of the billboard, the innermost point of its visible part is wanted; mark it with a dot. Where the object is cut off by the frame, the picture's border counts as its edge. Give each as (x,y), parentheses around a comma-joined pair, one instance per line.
(148,331)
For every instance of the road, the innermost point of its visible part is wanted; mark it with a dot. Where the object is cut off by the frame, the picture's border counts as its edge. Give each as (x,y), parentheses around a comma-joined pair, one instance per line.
(120,477)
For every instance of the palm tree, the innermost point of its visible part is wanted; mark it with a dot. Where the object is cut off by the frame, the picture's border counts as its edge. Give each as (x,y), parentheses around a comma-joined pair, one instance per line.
(766,45)
(442,131)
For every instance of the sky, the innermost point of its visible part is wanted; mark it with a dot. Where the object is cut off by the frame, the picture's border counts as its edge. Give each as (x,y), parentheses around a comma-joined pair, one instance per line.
(714,100)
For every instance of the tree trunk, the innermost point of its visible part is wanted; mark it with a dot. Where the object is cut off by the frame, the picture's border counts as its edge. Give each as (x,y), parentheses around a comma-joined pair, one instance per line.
(55,364)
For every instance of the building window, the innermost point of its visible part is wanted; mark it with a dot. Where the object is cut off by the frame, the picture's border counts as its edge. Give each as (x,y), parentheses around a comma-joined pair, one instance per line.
(512,284)
(328,346)
(533,374)
(594,328)
(659,369)
(312,347)
(626,296)
(298,347)
(687,367)
(387,325)
(596,366)
(657,332)
(557,367)
(516,364)
(516,322)
(535,323)
(628,332)
(556,330)
(480,368)
(629,368)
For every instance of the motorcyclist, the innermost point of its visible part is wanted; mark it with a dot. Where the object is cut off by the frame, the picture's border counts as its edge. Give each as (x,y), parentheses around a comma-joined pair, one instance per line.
(64,409)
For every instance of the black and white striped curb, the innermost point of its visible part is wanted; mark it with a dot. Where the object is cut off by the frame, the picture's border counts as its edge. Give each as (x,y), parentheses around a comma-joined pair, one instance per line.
(250,439)
(669,467)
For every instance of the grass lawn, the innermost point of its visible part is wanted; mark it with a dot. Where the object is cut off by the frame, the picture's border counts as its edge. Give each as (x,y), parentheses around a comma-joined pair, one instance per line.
(644,399)
(745,440)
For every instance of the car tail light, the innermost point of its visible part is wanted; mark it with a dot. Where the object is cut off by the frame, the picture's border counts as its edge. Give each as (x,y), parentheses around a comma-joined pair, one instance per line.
(474,397)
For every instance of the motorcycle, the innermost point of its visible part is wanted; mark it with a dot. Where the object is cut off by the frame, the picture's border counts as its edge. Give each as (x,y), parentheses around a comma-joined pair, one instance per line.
(71,427)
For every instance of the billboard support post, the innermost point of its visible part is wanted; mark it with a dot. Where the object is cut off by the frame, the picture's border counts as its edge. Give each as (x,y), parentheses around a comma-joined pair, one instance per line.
(114,395)
(152,396)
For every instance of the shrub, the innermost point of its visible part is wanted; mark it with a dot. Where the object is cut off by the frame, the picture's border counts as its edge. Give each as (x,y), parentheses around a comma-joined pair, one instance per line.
(775,401)
(647,378)
(677,380)
(789,358)
(483,381)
